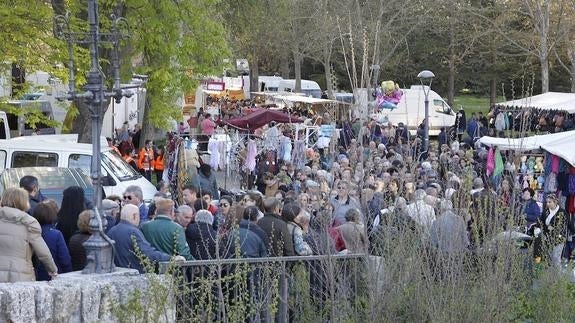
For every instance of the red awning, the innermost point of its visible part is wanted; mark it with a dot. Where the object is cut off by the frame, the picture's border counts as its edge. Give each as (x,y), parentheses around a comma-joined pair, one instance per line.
(259,118)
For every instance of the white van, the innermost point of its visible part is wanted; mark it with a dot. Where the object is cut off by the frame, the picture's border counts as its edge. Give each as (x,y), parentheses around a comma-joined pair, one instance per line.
(269,83)
(64,151)
(310,88)
(411,111)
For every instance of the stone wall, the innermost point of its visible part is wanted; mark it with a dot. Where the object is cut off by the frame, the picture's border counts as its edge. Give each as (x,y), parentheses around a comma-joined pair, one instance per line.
(74,297)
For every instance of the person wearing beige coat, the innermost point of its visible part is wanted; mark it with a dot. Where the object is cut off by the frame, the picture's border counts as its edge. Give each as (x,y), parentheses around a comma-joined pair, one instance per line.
(20,238)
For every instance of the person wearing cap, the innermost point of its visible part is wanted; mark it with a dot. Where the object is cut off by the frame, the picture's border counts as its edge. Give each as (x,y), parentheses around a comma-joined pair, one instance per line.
(111,210)
(165,234)
(201,236)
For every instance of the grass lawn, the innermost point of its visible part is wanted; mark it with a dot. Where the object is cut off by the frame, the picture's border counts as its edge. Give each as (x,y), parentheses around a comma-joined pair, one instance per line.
(472,103)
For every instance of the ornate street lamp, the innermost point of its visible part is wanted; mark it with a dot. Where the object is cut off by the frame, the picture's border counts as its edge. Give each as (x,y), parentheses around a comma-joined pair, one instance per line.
(99,247)
(426,78)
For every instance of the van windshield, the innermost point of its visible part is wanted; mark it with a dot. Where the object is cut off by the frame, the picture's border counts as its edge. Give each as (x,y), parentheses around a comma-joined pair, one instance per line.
(118,166)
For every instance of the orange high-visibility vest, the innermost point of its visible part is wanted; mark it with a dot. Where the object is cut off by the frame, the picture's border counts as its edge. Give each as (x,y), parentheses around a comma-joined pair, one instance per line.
(146,159)
(159,163)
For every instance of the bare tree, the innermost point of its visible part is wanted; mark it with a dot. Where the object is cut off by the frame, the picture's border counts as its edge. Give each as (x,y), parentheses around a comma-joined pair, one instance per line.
(535,28)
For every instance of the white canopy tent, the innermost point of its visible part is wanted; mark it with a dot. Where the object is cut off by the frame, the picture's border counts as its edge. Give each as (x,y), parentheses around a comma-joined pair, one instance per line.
(304,99)
(564,148)
(546,101)
(561,144)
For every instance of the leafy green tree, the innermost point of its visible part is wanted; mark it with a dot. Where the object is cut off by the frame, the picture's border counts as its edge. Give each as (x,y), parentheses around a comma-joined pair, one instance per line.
(176,43)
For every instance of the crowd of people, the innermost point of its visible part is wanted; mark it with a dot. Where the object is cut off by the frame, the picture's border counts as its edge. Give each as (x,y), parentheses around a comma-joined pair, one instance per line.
(340,201)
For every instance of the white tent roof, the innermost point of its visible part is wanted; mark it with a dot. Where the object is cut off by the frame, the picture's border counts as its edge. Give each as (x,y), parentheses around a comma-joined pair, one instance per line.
(564,148)
(304,99)
(526,143)
(546,101)
(560,144)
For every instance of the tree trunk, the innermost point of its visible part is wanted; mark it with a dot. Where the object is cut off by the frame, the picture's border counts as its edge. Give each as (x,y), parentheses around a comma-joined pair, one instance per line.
(254,73)
(148,130)
(18,80)
(284,65)
(493,91)
(328,80)
(451,83)
(571,54)
(544,46)
(544,74)
(452,62)
(297,71)
(82,124)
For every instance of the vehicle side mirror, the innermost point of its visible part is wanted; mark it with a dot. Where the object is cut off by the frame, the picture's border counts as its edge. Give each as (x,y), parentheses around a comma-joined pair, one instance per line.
(108,181)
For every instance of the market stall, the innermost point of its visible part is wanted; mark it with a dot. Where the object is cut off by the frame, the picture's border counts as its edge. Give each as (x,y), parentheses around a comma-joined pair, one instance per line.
(544,163)
(551,111)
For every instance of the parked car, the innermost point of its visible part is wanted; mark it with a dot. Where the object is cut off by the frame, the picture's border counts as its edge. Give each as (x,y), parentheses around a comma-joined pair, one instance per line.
(52,180)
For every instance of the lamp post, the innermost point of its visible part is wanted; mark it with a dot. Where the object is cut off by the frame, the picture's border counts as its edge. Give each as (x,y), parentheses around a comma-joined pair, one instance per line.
(426,78)
(99,247)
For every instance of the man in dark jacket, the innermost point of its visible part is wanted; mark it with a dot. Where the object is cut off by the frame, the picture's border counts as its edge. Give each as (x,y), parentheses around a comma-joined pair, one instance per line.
(30,184)
(443,137)
(206,181)
(401,134)
(128,237)
(201,236)
(251,239)
(280,240)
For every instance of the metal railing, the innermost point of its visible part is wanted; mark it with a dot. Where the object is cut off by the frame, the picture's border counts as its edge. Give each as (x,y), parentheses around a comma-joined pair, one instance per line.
(272,289)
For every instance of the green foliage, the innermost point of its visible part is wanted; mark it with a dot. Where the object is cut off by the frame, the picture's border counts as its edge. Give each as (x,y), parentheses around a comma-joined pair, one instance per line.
(153,303)
(552,300)
(30,112)
(177,43)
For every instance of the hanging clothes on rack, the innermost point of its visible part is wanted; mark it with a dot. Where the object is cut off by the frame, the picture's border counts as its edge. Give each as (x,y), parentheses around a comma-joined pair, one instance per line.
(271,138)
(285,148)
(214,153)
(223,150)
(298,155)
(251,156)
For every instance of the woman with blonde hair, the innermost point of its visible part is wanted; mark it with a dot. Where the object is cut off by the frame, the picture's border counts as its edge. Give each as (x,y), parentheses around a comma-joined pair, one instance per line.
(20,238)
